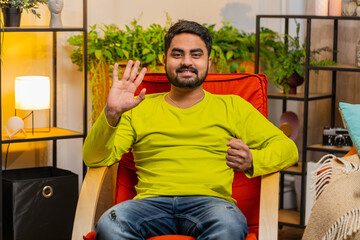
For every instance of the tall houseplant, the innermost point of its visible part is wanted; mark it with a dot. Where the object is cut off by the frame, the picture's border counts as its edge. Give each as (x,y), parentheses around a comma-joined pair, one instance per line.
(14,8)
(285,67)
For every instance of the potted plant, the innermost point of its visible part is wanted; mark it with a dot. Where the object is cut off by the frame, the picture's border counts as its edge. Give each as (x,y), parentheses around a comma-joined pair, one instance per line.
(285,66)
(234,50)
(12,9)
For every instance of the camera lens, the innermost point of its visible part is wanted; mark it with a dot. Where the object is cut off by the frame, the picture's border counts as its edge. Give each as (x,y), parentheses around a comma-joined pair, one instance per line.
(339,140)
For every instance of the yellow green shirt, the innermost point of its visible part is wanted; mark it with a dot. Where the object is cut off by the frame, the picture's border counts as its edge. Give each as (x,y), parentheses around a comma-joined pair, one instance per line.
(182,151)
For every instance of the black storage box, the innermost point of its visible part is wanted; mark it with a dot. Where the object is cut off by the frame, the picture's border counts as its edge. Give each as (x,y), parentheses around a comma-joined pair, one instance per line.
(39,203)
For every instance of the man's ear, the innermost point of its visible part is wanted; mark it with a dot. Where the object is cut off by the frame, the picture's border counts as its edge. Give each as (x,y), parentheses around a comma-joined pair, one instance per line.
(164,59)
(210,60)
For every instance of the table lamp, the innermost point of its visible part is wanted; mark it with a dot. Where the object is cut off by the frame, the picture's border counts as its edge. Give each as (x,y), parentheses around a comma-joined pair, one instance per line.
(32,93)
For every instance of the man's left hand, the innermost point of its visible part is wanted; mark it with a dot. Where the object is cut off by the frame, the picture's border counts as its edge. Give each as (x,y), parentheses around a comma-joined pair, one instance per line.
(238,155)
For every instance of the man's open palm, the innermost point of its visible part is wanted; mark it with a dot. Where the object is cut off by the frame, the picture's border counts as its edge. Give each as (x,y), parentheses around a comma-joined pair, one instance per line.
(121,96)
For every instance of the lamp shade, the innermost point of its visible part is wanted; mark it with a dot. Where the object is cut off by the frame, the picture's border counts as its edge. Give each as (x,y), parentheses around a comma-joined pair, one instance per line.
(32,92)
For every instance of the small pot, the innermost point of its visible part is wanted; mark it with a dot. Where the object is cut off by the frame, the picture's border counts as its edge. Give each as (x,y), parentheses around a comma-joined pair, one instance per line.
(12,17)
(293,81)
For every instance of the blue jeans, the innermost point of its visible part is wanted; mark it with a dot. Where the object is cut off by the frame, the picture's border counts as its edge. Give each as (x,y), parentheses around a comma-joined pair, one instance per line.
(202,217)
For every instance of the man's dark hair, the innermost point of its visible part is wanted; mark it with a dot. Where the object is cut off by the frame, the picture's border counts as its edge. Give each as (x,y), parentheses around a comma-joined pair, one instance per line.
(184,26)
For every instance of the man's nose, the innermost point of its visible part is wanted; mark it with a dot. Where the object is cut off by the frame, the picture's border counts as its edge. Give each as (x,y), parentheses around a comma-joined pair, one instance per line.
(187,61)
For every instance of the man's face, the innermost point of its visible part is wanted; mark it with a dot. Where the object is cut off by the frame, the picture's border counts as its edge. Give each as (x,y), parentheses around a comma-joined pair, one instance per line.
(187,61)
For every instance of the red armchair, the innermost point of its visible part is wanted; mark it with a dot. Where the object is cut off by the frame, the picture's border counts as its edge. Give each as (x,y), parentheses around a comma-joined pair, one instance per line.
(257,197)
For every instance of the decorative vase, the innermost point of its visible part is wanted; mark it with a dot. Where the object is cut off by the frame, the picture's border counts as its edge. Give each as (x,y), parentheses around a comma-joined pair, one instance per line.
(12,17)
(349,9)
(55,7)
(293,81)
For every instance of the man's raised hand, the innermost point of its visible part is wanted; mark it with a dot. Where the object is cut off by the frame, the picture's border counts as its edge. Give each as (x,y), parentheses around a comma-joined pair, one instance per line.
(121,96)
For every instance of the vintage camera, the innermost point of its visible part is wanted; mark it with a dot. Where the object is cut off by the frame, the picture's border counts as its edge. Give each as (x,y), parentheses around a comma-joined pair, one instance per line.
(336,137)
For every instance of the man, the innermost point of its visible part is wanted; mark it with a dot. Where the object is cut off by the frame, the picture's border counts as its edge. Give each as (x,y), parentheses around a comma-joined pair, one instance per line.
(186,145)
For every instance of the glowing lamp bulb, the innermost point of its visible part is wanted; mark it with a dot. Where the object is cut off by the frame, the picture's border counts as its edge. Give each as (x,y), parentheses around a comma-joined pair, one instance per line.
(32,92)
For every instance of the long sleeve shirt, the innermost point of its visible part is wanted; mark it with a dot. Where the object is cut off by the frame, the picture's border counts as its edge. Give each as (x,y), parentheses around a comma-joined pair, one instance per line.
(183,151)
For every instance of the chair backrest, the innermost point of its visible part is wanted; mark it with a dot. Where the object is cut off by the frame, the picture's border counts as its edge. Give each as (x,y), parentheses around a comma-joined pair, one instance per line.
(251,87)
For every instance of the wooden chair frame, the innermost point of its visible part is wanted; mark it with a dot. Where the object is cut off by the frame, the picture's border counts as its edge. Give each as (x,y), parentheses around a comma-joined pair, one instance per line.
(98,193)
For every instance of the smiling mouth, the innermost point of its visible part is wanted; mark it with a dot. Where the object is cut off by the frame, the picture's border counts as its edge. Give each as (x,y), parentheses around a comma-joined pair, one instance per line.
(186,71)
(186,74)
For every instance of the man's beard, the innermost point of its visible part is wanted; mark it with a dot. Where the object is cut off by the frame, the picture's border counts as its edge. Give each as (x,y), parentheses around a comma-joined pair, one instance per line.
(190,84)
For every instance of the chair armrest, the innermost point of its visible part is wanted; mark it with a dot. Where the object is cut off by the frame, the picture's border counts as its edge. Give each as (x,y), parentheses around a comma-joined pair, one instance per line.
(96,196)
(269,207)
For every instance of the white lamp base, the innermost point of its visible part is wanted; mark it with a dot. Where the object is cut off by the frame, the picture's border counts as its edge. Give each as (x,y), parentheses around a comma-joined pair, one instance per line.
(15,132)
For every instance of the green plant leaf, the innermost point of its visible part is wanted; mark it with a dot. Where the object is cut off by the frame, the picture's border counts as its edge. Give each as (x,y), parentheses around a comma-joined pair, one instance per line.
(119,52)
(234,66)
(160,58)
(150,58)
(145,51)
(126,53)
(127,28)
(98,54)
(107,54)
(229,55)
(241,69)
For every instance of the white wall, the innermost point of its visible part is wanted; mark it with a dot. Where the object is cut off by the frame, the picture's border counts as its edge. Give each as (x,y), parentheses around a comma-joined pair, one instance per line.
(241,13)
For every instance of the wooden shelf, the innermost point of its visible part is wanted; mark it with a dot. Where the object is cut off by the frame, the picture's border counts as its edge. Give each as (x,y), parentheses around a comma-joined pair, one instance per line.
(42,29)
(41,134)
(289,216)
(320,147)
(297,97)
(337,67)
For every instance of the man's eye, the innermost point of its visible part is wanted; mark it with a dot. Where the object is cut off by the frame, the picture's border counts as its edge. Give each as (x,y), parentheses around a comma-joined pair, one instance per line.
(196,55)
(176,55)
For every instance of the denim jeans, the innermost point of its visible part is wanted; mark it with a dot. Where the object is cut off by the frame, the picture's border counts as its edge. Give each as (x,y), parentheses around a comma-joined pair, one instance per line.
(202,217)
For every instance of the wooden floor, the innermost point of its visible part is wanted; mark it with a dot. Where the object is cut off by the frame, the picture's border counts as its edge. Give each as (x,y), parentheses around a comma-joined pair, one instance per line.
(290,233)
